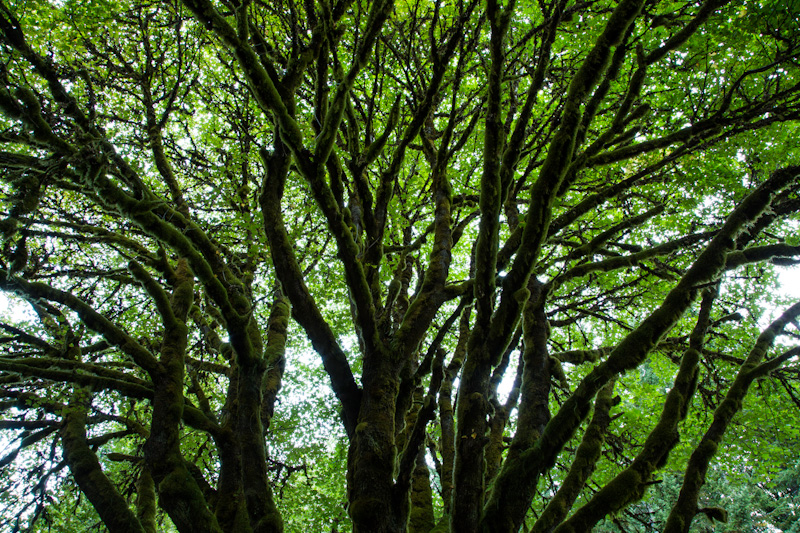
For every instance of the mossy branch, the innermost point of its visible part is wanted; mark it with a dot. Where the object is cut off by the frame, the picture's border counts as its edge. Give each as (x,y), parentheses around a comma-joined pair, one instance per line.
(22,336)
(687,30)
(264,89)
(211,337)
(91,234)
(185,237)
(707,130)
(491,195)
(646,175)
(378,13)
(146,501)
(156,292)
(579,357)
(127,385)
(583,464)
(423,309)
(274,355)
(25,107)
(94,320)
(598,241)
(513,149)
(629,485)
(534,410)
(426,365)
(593,105)
(28,441)
(758,254)
(85,468)
(630,352)
(446,415)
(374,148)
(421,114)
(685,508)
(312,168)
(616,263)
(154,137)
(305,309)
(545,189)
(416,439)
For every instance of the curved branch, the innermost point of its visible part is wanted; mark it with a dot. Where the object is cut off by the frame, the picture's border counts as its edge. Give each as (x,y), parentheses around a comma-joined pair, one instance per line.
(83,463)
(685,509)
(113,334)
(305,309)
(629,353)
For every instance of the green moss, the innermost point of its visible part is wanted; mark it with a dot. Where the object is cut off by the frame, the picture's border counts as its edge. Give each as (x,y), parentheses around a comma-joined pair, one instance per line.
(715,513)
(146,501)
(8,227)
(363,510)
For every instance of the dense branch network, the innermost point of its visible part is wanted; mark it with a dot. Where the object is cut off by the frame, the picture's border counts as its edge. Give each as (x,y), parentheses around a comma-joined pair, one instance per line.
(486,228)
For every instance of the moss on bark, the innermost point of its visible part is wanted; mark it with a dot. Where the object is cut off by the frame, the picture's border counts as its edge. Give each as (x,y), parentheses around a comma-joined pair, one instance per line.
(420,517)
(85,468)
(685,508)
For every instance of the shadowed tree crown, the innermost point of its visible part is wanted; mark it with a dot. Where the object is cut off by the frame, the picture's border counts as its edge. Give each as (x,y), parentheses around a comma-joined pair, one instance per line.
(381,266)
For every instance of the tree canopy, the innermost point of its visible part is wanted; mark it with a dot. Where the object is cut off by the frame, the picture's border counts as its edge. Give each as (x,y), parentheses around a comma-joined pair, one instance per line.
(399,266)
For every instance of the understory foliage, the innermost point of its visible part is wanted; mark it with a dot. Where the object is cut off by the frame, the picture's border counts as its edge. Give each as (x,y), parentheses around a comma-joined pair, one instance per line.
(390,266)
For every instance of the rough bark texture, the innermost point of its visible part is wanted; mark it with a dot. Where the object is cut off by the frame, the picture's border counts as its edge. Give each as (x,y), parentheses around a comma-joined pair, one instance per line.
(484,217)
(685,509)
(85,468)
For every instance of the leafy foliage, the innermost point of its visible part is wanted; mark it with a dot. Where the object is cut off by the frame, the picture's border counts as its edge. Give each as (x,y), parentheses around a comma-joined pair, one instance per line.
(399,266)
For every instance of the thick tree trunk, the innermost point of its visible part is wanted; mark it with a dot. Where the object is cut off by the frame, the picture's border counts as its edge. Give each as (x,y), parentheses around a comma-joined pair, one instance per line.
(534,409)
(177,490)
(373,505)
(471,439)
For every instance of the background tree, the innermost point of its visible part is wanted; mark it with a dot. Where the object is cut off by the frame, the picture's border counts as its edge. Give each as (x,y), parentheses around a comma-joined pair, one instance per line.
(530,247)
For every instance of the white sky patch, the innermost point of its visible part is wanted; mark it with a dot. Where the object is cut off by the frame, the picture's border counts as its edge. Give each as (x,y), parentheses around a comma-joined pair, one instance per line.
(790,281)
(13,309)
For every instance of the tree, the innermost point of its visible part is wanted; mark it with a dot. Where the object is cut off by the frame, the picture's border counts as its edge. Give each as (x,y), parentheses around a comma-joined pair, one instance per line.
(530,247)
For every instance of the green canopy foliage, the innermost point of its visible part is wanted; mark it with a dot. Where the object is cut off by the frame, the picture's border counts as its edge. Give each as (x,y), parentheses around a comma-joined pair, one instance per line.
(398,266)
